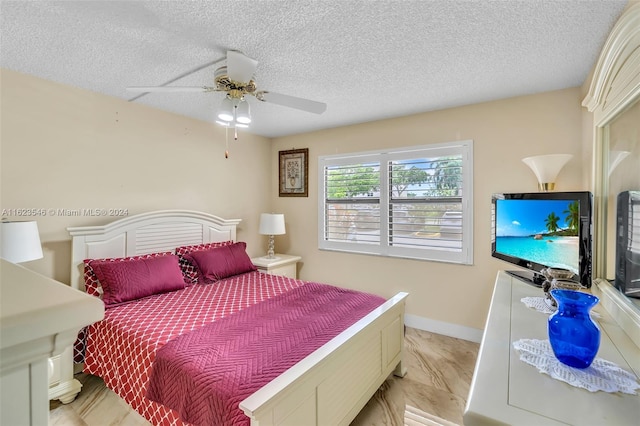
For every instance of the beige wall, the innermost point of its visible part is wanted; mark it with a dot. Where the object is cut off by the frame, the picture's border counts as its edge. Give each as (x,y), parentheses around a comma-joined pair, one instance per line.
(63,147)
(503,132)
(66,148)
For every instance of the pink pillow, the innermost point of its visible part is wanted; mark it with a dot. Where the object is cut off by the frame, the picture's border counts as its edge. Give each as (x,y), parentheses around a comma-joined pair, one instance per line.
(188,268)
(92,284)
(221,262)
(135,279)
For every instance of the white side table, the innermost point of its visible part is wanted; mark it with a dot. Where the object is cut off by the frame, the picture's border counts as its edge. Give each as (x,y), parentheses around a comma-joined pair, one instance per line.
(283,264)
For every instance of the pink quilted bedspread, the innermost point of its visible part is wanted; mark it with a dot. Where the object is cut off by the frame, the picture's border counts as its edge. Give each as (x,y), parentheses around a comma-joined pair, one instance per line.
(122,347)
(206,373)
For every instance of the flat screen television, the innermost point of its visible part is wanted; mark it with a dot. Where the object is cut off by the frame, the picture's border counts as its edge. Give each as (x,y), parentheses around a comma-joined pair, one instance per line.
(541,230)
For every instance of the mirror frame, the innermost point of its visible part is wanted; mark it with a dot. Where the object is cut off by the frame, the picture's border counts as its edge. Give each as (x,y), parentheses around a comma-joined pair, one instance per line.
(614,87)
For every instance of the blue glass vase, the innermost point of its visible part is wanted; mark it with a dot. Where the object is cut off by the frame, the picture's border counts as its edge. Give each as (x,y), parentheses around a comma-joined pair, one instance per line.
(574,336)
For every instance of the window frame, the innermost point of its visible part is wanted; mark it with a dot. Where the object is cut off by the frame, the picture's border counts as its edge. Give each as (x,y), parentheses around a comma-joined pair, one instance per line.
(383,157)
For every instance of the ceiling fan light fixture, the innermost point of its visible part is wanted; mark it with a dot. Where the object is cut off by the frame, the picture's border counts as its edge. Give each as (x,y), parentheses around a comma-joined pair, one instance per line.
(232,124)
(226,110)
(236,80)
(243,113)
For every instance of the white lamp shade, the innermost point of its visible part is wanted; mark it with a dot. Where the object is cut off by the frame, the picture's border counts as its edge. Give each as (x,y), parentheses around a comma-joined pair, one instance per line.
(615,158)
(272,224)
(226,110)
(20,241)
(243,113)
(547,167)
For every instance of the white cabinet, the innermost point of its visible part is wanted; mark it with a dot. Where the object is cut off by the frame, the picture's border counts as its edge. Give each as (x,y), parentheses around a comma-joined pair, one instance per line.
(506,390)
(62,385)
(39,319)
(283,264)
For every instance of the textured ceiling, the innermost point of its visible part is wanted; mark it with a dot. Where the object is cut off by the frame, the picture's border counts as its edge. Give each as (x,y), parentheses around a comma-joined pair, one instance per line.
(367,60)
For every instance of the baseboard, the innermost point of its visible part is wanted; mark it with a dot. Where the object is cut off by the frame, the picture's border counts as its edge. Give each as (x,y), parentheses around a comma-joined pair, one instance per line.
(444,328)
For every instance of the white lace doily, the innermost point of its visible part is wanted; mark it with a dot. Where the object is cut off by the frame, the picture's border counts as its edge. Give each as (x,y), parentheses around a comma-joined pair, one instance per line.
(601,375)
(537,303)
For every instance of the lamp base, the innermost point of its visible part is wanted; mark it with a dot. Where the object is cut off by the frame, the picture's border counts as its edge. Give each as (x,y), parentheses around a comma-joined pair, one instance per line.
(270,258)
(546,186)
(271,248)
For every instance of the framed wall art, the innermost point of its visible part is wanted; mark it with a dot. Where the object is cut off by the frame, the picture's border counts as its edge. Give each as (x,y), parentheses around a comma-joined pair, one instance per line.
(293,176)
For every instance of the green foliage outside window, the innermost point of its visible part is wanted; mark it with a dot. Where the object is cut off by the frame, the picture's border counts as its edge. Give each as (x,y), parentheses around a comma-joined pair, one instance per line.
(441,179)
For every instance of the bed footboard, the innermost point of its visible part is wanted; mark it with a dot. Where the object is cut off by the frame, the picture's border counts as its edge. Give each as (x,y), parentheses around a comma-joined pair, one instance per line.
(332,385)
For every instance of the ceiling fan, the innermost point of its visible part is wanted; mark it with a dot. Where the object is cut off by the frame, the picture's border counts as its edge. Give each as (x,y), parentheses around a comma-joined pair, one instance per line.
(236,79)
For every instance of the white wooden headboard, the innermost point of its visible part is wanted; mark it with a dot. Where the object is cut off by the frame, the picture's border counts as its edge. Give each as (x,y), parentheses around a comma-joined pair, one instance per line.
(158,231)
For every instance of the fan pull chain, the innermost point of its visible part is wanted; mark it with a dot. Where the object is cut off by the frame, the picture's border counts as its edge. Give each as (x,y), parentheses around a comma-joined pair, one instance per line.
(226,140)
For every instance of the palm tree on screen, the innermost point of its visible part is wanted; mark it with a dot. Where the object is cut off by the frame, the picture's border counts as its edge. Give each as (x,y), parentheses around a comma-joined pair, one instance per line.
(552,222)
(573,216)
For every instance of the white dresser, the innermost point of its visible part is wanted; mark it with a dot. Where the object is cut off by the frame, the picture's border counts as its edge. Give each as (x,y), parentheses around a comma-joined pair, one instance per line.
(504,389)
(39,318)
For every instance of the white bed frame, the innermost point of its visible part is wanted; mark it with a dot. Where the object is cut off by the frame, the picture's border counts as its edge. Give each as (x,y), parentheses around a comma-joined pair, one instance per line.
(329,387)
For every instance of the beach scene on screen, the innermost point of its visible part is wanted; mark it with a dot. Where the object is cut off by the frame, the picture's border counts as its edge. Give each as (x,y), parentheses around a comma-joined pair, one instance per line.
(541,231)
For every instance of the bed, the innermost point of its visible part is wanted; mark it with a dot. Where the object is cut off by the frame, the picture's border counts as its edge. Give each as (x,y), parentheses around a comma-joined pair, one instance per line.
(328,385)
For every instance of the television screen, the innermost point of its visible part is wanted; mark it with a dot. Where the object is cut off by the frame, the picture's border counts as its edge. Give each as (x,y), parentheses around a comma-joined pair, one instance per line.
(541,230)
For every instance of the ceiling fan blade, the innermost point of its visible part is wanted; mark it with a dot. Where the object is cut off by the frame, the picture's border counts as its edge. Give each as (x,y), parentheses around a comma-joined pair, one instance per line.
(168,89)
(180,76)
(240,68)
(292,102)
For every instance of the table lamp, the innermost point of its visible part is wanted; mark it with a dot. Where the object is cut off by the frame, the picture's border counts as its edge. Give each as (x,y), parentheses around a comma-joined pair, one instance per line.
(20,241)
(271,224)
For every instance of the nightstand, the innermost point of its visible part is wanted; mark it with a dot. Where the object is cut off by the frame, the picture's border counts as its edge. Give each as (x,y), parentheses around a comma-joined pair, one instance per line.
(283,264)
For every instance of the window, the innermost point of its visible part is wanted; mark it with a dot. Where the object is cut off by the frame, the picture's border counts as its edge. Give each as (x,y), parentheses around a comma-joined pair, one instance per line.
(413,202)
